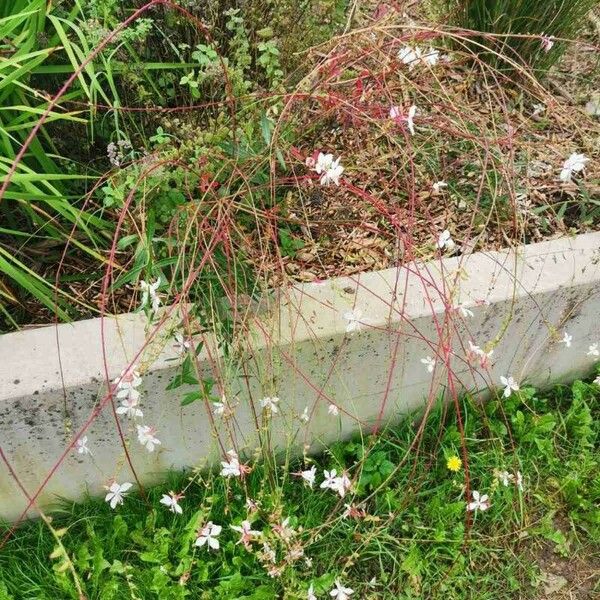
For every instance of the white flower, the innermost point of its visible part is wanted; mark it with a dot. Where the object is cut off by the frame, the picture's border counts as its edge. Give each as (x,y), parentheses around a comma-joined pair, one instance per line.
(445,241)
(333,410)
(147,437)
(538,109)
(231,468)
(268,553)
(208,535)
(410,56)
(329,169)
(519,481)
(218,409)
(510,386)
(339,484)
(270,404)
(429,362)
(597,380)
(593,350)
(149,294)
(438,185)
(484,357)
(412,111)
(127,382)
(309,476)
(430,57)
(353,317)
(464,311)
(330,480)
(171,501)
(547,42)
(567,339)
(340,592)
(504,477)
(479,502)
(311,593)
(182,344)
(395,112)
(246,533)
(304,416)
(129,407)
(116,493)
(81,445)
(574,164)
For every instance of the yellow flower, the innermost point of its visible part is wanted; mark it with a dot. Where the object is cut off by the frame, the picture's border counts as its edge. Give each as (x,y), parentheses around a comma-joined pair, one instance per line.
(454,463)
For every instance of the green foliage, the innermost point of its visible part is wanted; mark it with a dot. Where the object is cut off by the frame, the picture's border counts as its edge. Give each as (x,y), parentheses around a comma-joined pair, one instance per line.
(512,21)
(413,538)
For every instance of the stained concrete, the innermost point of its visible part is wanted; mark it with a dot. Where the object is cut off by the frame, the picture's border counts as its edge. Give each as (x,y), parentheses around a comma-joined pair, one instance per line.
(53,379)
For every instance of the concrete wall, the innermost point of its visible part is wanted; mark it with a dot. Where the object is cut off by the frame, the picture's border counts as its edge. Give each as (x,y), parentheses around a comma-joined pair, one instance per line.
(52,379)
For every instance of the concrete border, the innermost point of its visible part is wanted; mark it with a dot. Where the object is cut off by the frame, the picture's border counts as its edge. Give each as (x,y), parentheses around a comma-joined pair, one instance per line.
(297,348)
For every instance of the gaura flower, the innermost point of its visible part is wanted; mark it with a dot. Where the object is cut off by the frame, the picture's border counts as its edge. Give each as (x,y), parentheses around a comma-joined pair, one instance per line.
(353,511)
(304,416)
(116,493)
(231,468)
(309,476)
(567,339)
(182,344)
(208,536)
(574,164)
(438,186)
(171,501)
(329,169)
(247,534)
(81,445)
(333,410)
(284,531)
(445,241)
(410,56)
(479,502)
(593,350)
(353,317)
(464,311)
(150,295)
(341,592)
(395,112)
(510,386)
(504,477)
(454,464)
(129,407)
(147,437)
(429,363)
(127,382)
(270,404)
(547,42)
(481,355)
(218,409)
(412,111)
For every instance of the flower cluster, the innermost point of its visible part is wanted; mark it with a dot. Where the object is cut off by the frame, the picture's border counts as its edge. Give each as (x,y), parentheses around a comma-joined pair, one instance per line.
(329,169)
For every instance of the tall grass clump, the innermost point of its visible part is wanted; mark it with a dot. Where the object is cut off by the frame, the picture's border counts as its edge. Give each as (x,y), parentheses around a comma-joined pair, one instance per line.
(520,29)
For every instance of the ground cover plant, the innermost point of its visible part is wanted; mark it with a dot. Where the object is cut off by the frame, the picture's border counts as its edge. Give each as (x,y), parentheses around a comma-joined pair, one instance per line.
(515,519)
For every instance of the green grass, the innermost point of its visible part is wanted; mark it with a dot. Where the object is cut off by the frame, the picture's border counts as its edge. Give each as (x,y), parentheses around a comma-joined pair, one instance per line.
(415,541)
(514,22)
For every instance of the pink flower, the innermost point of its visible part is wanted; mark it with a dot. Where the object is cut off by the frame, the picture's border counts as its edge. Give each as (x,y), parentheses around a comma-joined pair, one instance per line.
(479,502)
(247,534)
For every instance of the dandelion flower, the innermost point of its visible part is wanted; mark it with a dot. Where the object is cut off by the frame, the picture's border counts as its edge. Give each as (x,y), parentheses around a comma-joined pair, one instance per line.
(454,464)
